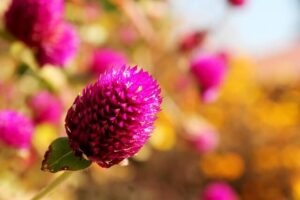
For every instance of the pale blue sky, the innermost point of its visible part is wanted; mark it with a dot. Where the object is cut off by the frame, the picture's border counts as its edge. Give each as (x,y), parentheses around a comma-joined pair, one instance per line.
(260,27)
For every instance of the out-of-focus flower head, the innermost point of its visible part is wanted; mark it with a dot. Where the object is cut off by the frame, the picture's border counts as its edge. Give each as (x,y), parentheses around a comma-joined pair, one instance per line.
(200,135)
(236,2)
(40,25)
(113,118)
(209,71)
(218,191)
(32,21)
(46,108)
(60,47)
(205,141)
(15,129)
(104,59)
(192,40)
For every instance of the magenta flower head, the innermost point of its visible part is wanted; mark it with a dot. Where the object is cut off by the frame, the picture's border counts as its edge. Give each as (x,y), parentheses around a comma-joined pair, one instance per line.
(104,59)
(113,118)
(31,21)
(219,191)
(60,47)
(15,129)
(237,2)
(209,72)
(46,108)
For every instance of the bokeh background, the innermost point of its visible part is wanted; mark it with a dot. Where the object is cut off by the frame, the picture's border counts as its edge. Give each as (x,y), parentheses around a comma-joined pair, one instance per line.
(255,146)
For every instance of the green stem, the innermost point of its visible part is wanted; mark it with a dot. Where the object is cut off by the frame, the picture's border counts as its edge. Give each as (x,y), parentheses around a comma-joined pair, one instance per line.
(52,185)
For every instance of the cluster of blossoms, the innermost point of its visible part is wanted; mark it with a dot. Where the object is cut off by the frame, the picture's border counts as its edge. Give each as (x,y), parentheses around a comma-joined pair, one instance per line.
(113,118)
(40,25)
(109,122)
(15,129)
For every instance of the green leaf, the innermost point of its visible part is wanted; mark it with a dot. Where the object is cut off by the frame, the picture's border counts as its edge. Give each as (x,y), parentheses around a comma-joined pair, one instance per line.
(5,35)
(60,156)
(107,5)
(22,69)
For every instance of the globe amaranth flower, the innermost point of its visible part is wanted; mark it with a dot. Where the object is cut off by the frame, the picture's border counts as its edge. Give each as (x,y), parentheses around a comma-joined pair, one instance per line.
(237,2)
(59,48)
(31,21)
(46,108)
(113,118)
(15,129)
(209,71)
(40,25)
(218,191)
(104,59)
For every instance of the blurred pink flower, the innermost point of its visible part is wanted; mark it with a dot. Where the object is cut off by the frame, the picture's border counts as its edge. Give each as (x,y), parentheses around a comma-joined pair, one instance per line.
(192,40)
(104,59)
(218,191)
(60,47)
(32,21)
(237,2)
(40,25)
(15,129)
(204,141)
(209,71)
(46,108)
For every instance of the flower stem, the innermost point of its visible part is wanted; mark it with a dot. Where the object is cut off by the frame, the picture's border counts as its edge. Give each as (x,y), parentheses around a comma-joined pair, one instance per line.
(138,19)
(52,185)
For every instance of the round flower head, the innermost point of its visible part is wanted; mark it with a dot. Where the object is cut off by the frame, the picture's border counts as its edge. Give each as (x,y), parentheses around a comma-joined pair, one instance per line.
(218,191)
(60,47)
(46,108)
(104,59)
(209,72)
(31,21)
(113,118)
(237,2)
(15,129)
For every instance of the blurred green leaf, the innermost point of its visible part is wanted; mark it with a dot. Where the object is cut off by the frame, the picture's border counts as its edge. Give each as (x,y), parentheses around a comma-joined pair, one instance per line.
(22,69)
(107,5)
(61,157)
(5,35)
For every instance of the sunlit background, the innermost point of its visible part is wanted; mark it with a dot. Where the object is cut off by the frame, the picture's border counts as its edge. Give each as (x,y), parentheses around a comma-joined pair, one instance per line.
(247,140)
